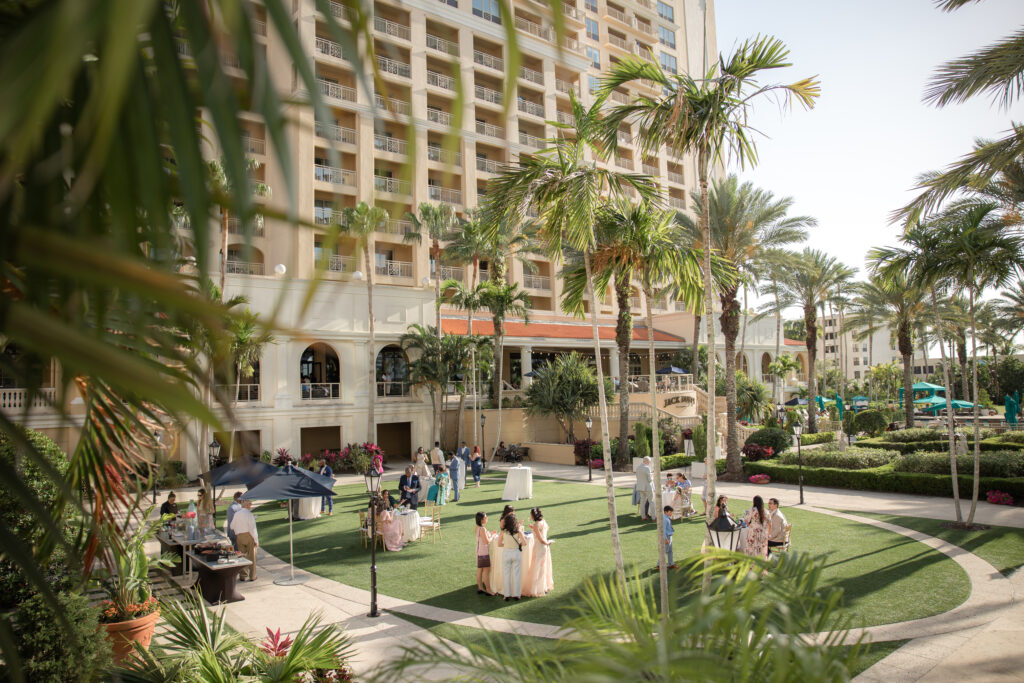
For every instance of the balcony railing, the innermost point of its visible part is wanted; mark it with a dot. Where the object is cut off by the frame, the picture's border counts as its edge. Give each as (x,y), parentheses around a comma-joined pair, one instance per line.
(650,170)
(391,66)
(532,28)
(484,275)
(330,48)
(339,10)
(488,165)
(444,194)
(342,264)
(531,107)
(620,97)
(386,143)
(392,104)
(531,281)
(444,156)
(392,185)
(243,267)
(618,42)
(15,399)
(333,175)
(641,384)
(566,87)
(259,27)
(438,116)
(487,95)
(323,215)
(572,45)
(394,269)
(255,145)
(644,27)
(320,391)
(394,226)
(490,61)
(337,91)
(634,302)
(565,117)
(442,45)
(677,203)
(336,133)
(531,75)
(243,393)
(393,389)
(530,140)
(617,14)
(392,28)
(490,129)
(674,177)
(623,162)
(452,273)
(439,80)
(235,227)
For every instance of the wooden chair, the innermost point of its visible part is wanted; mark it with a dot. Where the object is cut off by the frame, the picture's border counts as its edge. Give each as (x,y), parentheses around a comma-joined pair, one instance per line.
(431,522)
(785,540)
(364,530)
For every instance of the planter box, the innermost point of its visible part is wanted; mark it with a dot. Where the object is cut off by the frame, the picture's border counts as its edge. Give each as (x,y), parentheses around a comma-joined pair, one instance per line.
(123,634)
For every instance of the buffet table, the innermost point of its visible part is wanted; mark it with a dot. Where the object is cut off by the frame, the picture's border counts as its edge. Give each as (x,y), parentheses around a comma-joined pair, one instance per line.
(518,484)
(218,580)
(176,543)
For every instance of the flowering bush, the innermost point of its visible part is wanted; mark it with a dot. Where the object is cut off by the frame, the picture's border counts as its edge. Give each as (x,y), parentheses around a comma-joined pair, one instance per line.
(688,433)
(355,457)
(112,614)
(999,498)
(596,464)
(283,457)
(760,479)
(753,451)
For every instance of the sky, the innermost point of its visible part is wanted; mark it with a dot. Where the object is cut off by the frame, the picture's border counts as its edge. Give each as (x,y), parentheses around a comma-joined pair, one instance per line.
(854,158)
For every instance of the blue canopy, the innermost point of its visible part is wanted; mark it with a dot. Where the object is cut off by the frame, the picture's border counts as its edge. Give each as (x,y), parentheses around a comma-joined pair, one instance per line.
(671,370)
(796,402)
(531,373)
(290,482)
(246,470)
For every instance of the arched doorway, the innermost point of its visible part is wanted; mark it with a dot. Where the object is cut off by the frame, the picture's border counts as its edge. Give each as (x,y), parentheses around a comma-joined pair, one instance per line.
(320,373)
(392,372)
(741,363)
(766,360)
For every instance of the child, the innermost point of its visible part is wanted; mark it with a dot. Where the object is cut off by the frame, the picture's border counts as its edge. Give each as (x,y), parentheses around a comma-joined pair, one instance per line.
(669,482)
(483,555)
(669,531)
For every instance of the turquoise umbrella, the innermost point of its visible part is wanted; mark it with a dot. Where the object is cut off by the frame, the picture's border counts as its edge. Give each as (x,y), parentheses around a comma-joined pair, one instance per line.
(839,406)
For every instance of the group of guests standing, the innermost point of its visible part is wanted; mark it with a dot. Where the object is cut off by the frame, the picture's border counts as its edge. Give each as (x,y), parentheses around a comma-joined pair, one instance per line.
(511,542)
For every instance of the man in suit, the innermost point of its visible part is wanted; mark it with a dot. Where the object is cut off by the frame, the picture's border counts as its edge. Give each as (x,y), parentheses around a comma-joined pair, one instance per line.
(409,486)
(645,488)
(455,467)
(463,453)
(326,502)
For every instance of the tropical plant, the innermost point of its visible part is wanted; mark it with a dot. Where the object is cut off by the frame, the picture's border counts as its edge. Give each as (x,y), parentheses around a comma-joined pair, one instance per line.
(777,261)
(434,223)
(770,437)
(780,368)
(872,422)
(753,402)
(705,117)
(125,580)
(564,389)
(247,343)
(745,223)
(468,299)
(1011,308)
(427,368)
(502,300)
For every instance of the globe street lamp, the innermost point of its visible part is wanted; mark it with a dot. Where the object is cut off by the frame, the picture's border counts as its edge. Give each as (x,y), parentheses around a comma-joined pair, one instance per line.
(213,453)
(483,440)
(797,430)
(372,477)
(590,460)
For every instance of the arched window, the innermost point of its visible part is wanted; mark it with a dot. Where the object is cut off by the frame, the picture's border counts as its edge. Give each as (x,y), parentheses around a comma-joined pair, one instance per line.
(320,373)
(392,372)
(765,362)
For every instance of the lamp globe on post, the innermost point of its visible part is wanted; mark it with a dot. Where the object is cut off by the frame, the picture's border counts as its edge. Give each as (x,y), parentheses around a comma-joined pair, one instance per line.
(213,452)
(797,431)
(372,477)
(483,441)
(590,460)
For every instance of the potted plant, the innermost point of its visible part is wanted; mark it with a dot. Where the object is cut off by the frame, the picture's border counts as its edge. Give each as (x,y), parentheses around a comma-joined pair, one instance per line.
(130,611)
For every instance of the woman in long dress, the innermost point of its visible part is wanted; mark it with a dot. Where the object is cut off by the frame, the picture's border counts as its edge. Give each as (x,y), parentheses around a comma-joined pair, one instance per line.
(543,578)
(390,528)
(204,509)
(420,466)
(438,493)
(756,544)
(476,464)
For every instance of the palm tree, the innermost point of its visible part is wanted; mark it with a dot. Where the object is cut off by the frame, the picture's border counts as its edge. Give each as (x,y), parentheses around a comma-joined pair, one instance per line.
(808,284)
(469,300)
(434,222)
(707,118)
(565,389)
(427,370)
(502,300)
(567,189)
(745,223)
(753,400)
(247,343)
(1011,308)
(779,369)
(361,222)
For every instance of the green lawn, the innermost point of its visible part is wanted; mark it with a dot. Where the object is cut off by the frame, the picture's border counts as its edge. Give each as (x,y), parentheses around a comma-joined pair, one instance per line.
(1000,546)
(885,577)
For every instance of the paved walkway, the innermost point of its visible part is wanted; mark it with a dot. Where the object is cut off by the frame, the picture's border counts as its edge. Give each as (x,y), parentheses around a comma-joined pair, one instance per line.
(978,640)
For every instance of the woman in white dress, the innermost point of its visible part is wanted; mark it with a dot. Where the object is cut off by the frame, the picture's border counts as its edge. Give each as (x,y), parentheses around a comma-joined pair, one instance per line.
(420,466)
(543,579)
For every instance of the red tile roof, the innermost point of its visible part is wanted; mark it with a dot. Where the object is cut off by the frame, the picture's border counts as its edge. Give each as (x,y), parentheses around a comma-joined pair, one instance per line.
(792,342)
(550,330)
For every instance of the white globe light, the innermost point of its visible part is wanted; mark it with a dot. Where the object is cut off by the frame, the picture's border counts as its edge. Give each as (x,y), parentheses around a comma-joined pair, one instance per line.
(280,269)
(425,281)
(358,275)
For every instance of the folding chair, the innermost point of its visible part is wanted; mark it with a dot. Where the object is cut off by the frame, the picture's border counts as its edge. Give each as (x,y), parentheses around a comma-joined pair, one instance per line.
(432,522)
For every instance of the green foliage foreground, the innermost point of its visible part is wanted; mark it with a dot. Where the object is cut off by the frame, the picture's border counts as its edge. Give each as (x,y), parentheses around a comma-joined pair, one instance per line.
(745,627)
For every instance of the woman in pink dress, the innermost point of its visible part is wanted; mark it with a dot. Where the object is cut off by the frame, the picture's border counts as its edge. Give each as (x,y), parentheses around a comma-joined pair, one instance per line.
(756,544)
(390,528)
(483,555)
(543,579)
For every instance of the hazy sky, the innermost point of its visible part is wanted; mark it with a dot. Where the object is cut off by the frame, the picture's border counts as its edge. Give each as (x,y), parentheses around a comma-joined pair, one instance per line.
(853,158)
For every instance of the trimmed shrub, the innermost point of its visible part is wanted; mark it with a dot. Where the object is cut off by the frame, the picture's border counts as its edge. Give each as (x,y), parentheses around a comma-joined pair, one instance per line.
(931,446)
(820,437)
(581,450)
(776,439)
(642,441)
(915,435)
(997,464)
(753,451)
(1006,437)
(669,462)
(700,440)
(853,459)
(872,422)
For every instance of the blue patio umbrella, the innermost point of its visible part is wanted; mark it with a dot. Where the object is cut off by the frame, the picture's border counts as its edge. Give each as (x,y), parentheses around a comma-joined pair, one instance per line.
(671,370)
(243,471)
(289,483)
(531,373)
(839,406)
(1011,410)
(796,402)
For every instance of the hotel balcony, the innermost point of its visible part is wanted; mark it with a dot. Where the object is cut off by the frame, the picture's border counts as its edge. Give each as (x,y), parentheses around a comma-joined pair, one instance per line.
(243,393)
(443,156)
(394,67)
(320,391)
(542,282)
(439,80)
(490,61)
(243,267)
(531,108)
(488,95)
(342,264)
(442,45)
(400,269)
(392,185)
(444,194)
(17,399)
(392,104)
(334,175)
(391,145)
(489,129)
(532,141)
(392,28)
(330,131)
(336,91)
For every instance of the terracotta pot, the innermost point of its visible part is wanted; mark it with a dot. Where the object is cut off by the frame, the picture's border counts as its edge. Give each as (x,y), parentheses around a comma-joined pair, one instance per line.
(123,633)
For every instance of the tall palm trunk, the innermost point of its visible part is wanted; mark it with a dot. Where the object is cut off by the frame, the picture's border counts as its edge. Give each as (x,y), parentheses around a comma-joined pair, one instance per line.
(623,337)
(976,411)
(223,250)
(905,343)
(371,417)
(695,362)
(499,344)
(743,330)
(777,381)
(656,461)
(712,435)
(949,411)
(961,349)
(730,322)
(472,351)
(843,357)
(613,519)
(811,343)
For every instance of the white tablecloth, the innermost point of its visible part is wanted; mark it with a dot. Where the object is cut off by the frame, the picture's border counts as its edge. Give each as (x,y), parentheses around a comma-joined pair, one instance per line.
(518,484)
(410,525)
(526,576)
(309,508)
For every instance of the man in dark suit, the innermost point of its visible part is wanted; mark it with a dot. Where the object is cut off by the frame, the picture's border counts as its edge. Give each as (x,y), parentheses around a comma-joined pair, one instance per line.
(409,487)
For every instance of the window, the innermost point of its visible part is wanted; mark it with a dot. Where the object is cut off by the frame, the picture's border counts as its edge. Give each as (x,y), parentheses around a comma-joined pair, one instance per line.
(666,11)
(595,57)
(592,29)
(667,36)
(856,374)
(668,63)
(593,83)
(590,5)
(488,9)
(856,361)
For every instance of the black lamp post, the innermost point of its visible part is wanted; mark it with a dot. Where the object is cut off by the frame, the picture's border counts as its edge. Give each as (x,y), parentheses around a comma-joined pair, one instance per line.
(372,477)
(797,430)
(483,440)
(213,452)
(159,436)
(590,459)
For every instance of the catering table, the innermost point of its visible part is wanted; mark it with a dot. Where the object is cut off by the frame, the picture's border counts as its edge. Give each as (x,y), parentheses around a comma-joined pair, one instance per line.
(497,575)
(176,542)
(218,581)
(309,508)
(410,520)
(518,484)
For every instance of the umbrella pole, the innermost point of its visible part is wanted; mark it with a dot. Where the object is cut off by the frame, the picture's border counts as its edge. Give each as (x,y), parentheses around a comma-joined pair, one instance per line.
(291,580)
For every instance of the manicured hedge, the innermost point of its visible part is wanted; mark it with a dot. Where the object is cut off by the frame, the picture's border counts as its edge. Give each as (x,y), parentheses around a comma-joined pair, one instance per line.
(675,460)
(853,459)
(998,464)
(884,478)
(777,439)
(931,446)
(820,437)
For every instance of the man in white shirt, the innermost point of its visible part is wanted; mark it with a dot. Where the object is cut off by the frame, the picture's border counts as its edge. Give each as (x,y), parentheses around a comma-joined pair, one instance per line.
(244,526)
(233,509)
(437,457)
(776,525)
(645,488)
